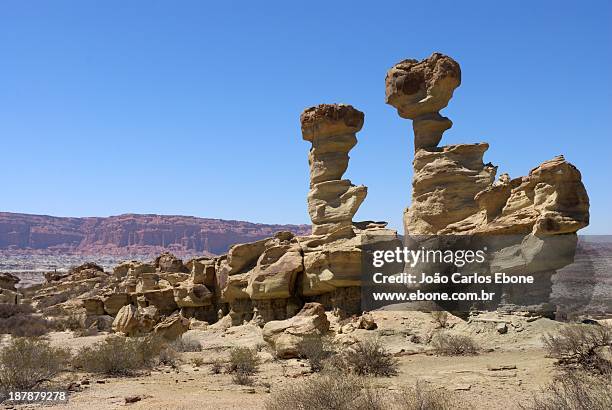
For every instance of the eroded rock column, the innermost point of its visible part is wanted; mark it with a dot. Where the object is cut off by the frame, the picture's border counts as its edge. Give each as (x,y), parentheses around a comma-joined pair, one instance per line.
(332,201)
(528,224)
(446,179)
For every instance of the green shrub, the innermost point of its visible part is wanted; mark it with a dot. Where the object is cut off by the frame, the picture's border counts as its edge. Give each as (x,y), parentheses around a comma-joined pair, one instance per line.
(25,362)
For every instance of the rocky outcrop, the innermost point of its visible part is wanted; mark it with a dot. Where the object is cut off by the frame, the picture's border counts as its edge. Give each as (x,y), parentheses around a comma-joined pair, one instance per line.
(8,292)
(332,201)
(285,336)
(529,223)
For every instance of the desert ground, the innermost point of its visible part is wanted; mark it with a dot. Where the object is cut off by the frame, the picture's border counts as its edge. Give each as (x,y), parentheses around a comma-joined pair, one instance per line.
(509,370)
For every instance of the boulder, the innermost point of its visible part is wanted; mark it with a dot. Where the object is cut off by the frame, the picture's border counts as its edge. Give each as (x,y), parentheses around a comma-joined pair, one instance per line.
(113,302)
(188,294)
(93,306)
(126,321)
(276,272)
(172,327)
(285,336)
(162,299)
(167,262)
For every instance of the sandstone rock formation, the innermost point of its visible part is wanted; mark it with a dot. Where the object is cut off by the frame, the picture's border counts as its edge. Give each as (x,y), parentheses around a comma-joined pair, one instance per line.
(285,336)
(530,222)
(419,90)
(267,280)
(332,201)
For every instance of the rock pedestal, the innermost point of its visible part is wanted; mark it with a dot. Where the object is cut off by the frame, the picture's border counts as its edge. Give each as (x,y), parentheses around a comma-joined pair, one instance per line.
(529,223)
(332,201)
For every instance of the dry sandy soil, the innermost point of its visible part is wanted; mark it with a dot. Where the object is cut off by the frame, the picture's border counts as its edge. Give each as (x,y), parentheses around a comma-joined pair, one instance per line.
(470,378)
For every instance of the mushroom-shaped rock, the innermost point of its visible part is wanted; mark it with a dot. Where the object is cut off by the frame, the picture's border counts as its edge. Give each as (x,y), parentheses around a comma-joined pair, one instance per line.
(419,90)
(332,201)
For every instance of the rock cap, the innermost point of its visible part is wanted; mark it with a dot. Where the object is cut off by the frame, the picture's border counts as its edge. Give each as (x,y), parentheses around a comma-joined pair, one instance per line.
(330,119)
(421,87)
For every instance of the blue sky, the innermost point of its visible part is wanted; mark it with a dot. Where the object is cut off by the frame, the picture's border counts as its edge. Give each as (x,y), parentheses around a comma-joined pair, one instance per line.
(193,107)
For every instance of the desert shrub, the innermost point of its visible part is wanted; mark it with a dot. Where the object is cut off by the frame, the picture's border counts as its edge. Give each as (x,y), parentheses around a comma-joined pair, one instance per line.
(447,344)
(243,360)
(72,322)
(243,379)
(420,397)
(324,391)
(85,332)
(186,344)
(440,317)
(576,391)
(368,357)
(25,325)
(25,362)
(197,361)
(333,391)
(21,321)
(315,350)
(168,356)
(417,397)
(117,355)
(217,367)
(580,345)
(9,310)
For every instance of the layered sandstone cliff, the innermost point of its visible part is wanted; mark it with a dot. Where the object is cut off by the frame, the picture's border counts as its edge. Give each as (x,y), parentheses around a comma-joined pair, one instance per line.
(131,234)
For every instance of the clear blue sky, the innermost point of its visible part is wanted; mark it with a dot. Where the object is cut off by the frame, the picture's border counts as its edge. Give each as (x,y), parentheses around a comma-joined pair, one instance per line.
(193,107)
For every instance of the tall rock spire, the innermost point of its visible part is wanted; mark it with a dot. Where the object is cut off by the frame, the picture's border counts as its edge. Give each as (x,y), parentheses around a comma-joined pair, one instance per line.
(332,201)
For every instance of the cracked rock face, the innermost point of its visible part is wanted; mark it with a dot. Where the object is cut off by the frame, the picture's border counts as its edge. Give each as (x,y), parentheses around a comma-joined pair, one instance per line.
(332,201)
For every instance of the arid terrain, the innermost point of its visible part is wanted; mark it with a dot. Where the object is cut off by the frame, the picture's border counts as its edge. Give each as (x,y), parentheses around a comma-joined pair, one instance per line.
(285,321)
(478,380)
